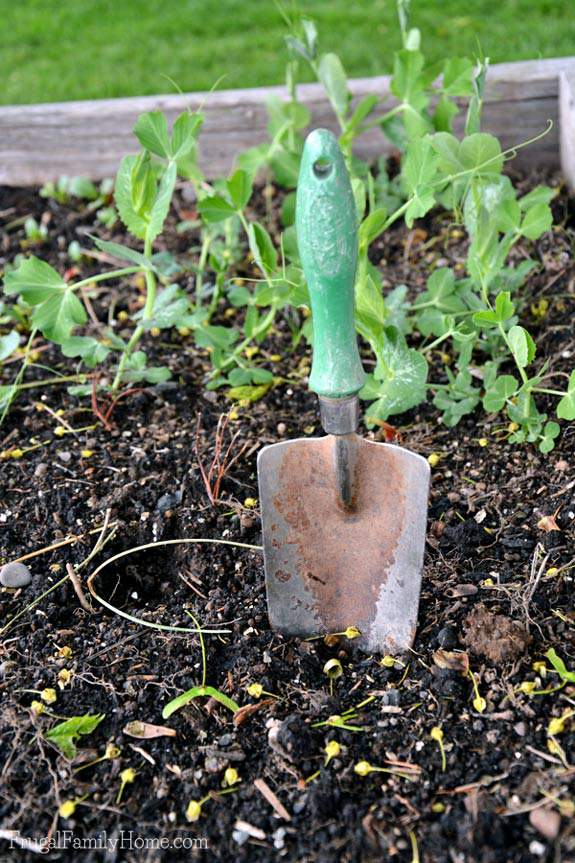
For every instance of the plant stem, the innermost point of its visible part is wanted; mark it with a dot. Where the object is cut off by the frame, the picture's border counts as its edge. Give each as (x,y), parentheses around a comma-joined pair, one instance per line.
(102,277)
(148,309)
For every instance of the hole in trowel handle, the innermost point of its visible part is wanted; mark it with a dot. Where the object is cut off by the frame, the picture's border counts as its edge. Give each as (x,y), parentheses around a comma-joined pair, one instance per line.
(322,168)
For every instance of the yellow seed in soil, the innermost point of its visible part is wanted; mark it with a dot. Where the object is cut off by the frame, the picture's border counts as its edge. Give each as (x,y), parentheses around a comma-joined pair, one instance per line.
(540,668)
(48,696)
(557,723)
(34,356)
(64,677)
(67,809)
(251,502)
(65,652)
(362,768)
(333,669)
(483,441)
(309,429)
(527,686)
(251,351)
(127,775)
(553,747)
(112,751)
(332,750)
(230,313)
(59,431)
(184,331)
(55,567)
(155,332)
(193,811)
(352,632)
(487,582)
(387,661)
(231,776)
(479,704)
(433,459)
(552,571)
(512,427)
(37,707)
(438,808)
(436,733)
(275,358)
(234,415)
(123,316)
(87,453)
(16,453)
(255,690)
(39,406)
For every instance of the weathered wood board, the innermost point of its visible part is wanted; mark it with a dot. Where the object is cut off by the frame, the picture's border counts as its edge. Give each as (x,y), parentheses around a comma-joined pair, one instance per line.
(43,142)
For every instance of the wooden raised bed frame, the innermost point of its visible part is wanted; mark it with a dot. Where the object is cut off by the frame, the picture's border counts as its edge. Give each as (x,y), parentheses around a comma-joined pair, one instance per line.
(43,142)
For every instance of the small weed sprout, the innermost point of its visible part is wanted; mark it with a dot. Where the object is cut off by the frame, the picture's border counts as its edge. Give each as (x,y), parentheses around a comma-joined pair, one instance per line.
(479,703)
(127,776)
(437,734)
(332,750)
(231,777)
(333,670)
(67,808)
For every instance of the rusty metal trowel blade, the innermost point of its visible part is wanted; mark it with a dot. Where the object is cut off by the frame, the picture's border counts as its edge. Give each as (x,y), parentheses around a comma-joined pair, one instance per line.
(328,566)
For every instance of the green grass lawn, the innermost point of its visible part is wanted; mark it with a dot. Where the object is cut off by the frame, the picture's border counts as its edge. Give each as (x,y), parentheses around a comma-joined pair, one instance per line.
(86,49)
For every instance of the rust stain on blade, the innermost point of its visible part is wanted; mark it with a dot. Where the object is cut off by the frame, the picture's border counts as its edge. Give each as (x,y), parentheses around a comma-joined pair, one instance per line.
(329,566)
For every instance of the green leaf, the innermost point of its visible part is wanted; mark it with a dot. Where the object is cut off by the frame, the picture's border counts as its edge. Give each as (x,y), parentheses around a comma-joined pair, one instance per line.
(157,374)
(262,248)
(57,309)
(124,187)
(419,170)
(239,188)
(550,432)
(399,380)
(459,399)
(151,130)
(90,350)
(370,312)
(285,167)
(215,209)
(458,77)
(445,111)
(184,134)
(504,310)
(162,203)
(364,108)
(522,346)
(508,216)
(481,153)
(8,344)
(198,692)
(248,393)
(372,226)
(536,221)
(407,69)
(170,306)
(34,280)
(497,395)
(538,195)
(65,734)
(122,253)
(559,666)
(566,406)
(332,75)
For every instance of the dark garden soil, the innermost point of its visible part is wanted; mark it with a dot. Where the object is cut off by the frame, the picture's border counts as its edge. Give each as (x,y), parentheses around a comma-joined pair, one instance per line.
(497,591)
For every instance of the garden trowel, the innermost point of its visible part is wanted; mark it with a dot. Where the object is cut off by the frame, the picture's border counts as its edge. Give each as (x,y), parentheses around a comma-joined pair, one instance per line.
(343,518)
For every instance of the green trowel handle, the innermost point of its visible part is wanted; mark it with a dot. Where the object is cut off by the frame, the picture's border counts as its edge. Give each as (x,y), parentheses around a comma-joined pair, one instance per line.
(326,225)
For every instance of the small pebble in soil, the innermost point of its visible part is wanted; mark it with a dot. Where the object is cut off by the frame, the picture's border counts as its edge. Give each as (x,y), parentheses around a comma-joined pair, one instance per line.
(15,575)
